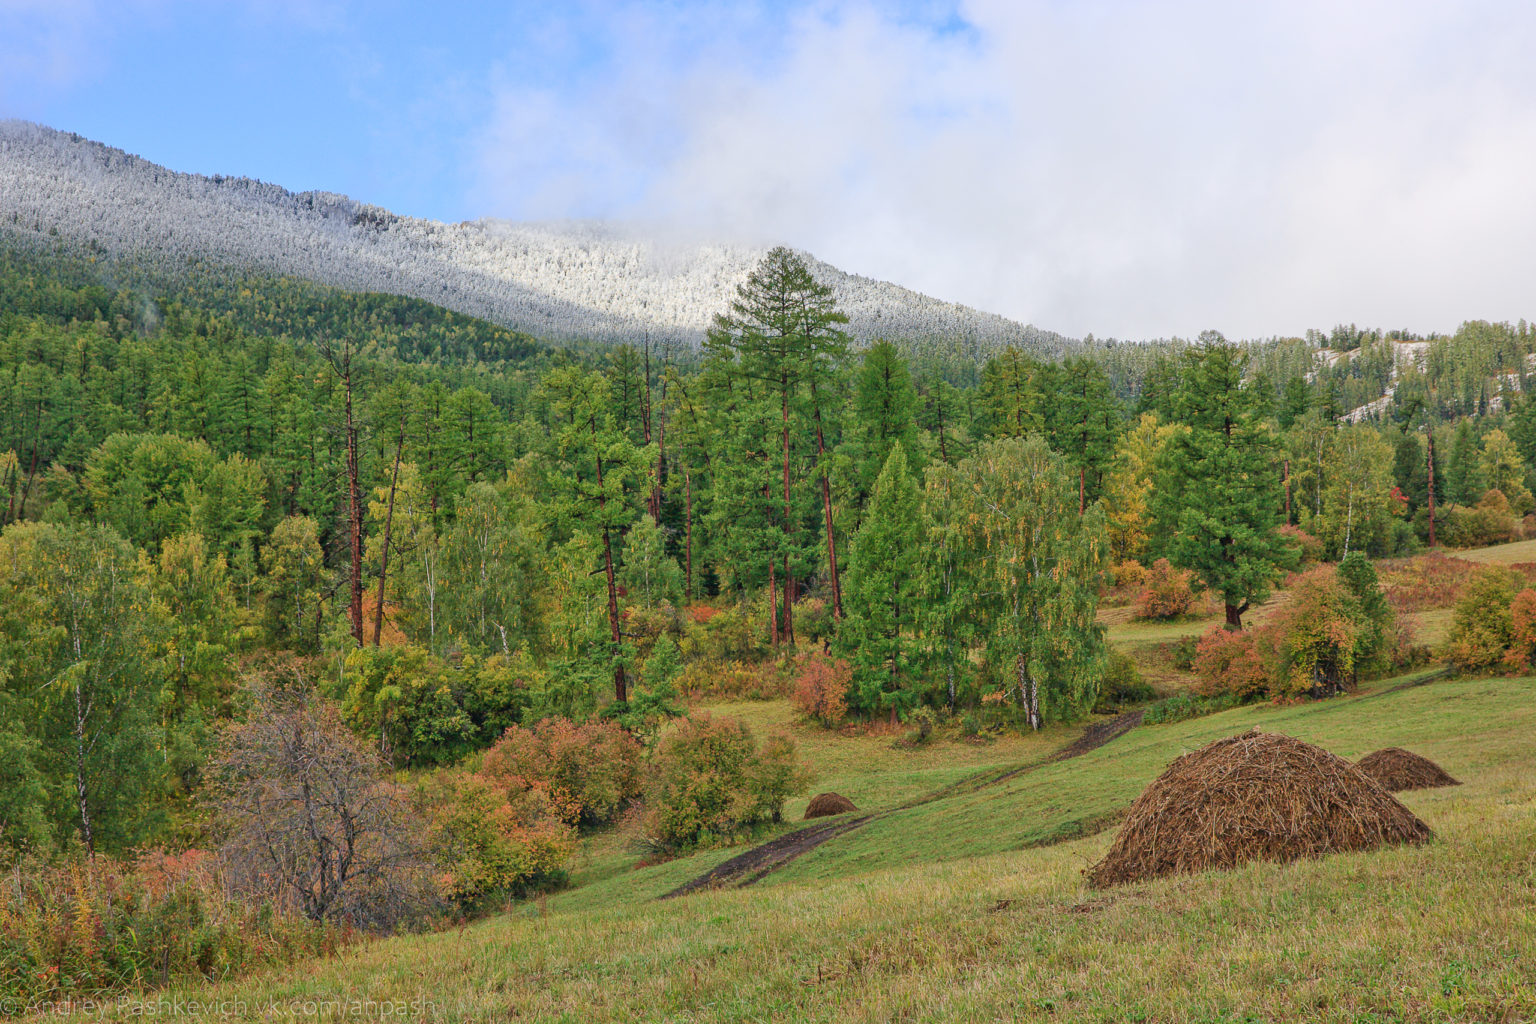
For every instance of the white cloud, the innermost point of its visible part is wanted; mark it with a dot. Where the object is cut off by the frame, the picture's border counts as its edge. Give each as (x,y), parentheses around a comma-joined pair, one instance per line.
(1120,168)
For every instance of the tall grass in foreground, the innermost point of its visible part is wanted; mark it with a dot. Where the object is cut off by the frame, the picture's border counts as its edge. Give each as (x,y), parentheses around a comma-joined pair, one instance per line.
(98,926)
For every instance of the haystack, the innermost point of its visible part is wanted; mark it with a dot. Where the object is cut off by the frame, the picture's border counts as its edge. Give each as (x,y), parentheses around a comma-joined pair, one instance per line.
(1257,796)
(1396,770)
(824,804)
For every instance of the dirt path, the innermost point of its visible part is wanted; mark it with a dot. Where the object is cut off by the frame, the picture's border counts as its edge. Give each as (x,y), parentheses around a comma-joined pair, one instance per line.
(746,868)
(1408,684)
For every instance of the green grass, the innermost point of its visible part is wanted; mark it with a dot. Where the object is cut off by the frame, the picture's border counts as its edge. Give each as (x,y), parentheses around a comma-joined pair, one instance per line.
(1500,554)
(869,768)
(937,913)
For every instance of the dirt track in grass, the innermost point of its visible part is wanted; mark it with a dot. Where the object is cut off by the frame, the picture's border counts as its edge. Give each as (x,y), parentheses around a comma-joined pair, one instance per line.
(760,861)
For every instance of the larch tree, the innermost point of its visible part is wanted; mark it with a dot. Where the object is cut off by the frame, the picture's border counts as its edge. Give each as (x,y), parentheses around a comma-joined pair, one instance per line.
(1087,420)
(603,472)
(784,332)
(885,588)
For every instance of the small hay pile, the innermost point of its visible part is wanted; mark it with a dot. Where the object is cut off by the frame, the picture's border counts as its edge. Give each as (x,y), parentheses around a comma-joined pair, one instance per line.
(1257,796)
(1396,770)
(824,804)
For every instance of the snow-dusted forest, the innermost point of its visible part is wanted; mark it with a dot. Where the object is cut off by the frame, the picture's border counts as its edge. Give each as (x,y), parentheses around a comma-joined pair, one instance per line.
(556,281)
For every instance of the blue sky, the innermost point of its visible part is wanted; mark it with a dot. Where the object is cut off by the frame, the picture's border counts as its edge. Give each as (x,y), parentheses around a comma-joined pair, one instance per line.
(1133,169)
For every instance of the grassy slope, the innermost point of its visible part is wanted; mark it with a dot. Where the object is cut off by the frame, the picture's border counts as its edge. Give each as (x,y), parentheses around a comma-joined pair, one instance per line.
(1500,554)
(902,919)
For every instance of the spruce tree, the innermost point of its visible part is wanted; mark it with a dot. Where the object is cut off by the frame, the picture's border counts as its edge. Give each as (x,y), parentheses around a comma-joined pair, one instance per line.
(1217,501)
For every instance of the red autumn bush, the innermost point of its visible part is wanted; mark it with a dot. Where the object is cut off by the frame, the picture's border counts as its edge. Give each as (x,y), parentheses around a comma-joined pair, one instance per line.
(1228,662)
(1167,593)
(702,613)
(589,770)
(821,688)
(1522,614)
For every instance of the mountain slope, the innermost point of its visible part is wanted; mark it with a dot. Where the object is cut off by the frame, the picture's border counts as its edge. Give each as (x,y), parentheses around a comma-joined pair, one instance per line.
(557,281)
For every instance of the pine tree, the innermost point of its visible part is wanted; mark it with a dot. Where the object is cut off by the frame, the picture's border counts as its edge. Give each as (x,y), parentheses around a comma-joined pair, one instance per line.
(1217,500)
(884,587)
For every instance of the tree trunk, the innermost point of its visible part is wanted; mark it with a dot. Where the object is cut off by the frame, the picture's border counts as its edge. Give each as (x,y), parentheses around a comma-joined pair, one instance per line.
(789,530)
(826,506)
(1431,432)
(773,605)
(354,510)
(620,687)
(620,683)
(1234,621)
(688,530)
(82,788)
(1287,490)
(389,522)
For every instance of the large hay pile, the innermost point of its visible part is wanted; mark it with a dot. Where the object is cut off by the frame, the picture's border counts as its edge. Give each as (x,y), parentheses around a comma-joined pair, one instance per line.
(1251,797)
(824,804)
(1395,770)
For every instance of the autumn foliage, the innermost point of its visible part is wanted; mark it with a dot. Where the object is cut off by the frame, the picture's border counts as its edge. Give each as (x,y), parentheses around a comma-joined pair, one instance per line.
(821,688)
(587,771)
(1228,662)
(1167,592)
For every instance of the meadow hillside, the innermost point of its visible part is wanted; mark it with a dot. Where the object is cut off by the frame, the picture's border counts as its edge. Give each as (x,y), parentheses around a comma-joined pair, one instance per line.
(966,907)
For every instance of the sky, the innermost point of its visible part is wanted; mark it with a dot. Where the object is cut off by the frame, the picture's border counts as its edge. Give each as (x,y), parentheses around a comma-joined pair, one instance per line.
(1126,169)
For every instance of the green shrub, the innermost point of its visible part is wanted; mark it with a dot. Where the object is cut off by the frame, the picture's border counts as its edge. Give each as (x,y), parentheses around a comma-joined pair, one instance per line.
(1188,705)
(708,782)
(1483,630)
(1122,685)
(491,846)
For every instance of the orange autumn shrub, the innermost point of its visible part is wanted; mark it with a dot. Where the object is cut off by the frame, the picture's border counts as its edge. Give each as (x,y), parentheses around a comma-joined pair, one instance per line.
(1167,592)
(1228,662)
(491,846)
(821,688)
(589,771)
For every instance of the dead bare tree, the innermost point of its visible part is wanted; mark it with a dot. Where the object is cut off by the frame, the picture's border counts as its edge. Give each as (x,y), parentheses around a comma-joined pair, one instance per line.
(308,818)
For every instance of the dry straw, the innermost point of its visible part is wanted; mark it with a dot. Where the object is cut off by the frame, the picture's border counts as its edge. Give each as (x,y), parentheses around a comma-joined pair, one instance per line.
(826,804)
(1395,770)
(1257,796)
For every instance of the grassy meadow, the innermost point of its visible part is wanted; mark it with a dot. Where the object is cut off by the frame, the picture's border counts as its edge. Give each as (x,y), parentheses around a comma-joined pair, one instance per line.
(952,909)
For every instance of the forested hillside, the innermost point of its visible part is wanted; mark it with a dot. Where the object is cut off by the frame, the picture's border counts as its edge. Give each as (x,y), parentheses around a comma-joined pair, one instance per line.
(564,282)
(256,526)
